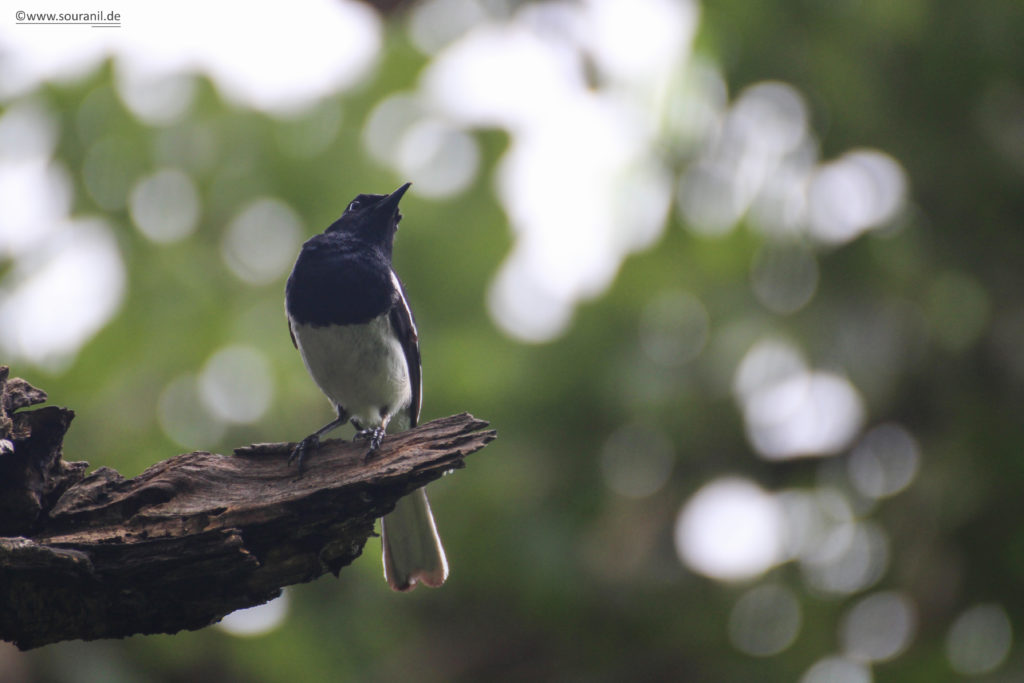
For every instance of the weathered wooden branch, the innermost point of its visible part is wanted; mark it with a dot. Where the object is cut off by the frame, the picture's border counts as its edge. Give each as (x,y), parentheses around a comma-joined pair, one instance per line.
(192,538)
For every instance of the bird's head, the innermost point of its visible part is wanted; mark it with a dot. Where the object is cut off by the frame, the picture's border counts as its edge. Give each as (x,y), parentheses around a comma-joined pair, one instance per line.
(372,217)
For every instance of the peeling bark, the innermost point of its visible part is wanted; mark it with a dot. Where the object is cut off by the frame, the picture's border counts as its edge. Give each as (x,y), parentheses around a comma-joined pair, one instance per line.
(192,538)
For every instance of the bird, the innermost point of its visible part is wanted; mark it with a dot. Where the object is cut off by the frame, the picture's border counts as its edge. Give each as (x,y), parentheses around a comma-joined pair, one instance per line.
(349,317)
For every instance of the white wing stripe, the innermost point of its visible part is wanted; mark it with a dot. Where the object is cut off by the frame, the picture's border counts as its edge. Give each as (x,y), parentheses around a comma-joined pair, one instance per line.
(412,324)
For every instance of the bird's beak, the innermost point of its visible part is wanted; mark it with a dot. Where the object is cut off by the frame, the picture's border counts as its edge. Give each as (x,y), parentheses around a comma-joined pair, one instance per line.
(389,205)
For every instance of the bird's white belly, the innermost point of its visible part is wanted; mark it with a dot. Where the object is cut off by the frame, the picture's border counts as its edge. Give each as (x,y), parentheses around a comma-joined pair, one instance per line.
(360,368)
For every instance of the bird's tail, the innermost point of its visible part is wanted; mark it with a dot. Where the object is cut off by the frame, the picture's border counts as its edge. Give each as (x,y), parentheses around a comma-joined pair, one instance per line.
(412,549)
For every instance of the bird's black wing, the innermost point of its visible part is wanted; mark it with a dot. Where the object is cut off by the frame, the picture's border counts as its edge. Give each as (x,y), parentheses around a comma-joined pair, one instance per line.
(404,326)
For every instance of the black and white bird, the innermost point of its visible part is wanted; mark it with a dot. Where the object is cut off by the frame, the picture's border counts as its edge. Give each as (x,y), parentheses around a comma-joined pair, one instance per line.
(350,319)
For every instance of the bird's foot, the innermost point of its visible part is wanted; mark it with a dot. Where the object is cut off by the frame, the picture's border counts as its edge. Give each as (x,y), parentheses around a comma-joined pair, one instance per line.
(374,435)
(308,445)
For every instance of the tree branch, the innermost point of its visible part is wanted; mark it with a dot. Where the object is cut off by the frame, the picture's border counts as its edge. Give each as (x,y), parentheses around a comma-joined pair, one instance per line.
(192,538)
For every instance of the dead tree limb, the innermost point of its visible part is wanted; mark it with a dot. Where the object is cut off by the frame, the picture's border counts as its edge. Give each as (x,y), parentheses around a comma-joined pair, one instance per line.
(192,538)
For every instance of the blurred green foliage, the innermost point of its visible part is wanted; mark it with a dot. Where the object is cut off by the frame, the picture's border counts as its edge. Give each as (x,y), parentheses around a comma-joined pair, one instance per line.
(554,575)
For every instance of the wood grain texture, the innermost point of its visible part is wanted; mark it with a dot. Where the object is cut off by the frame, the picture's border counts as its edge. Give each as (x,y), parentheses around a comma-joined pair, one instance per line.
(196,536)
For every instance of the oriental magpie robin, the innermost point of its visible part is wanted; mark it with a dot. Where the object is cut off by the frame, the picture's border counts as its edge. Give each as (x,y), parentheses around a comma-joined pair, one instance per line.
(349,318)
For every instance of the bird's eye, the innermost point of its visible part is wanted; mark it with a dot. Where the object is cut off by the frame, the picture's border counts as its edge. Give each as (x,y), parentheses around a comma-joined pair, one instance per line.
(354,205)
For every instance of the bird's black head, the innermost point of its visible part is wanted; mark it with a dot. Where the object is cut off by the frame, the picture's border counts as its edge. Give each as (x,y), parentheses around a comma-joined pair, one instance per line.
(372,217)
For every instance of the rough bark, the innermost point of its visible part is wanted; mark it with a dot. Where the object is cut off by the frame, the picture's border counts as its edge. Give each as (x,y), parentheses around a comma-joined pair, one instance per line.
(192,538)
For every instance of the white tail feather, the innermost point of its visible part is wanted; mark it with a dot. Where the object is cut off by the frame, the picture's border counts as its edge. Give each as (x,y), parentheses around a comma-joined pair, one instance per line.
(412,549)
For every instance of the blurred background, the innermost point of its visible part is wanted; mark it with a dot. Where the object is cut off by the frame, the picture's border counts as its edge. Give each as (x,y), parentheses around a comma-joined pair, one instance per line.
(737,283)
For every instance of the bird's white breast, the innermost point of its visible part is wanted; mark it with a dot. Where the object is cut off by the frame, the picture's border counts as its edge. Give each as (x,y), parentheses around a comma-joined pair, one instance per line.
(361,368)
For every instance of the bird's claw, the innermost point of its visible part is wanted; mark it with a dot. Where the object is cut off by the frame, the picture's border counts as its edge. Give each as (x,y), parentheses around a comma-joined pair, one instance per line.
(375,435)
(307,445)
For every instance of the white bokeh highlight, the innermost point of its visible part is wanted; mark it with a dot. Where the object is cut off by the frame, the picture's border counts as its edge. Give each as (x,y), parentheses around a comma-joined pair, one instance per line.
(731,530)
(58,297)
(309,132)
(884,462)
(65,277)
(433,24)
(850,558)
(562,193)
(761,165)
(258,620)
(791,411)
(837,670)
(765,620)
(35,191)
(437,156)
(236,384)
(35,198)
(319,47)
(878,627)
(183,416)
(262,240)
(758,139)
(859,191)
(441,159)
(28,130)
(979,640)
(156,99)
(164,205)
(837,553)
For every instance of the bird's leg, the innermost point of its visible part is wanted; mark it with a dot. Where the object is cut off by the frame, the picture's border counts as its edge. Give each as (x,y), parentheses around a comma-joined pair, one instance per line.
(375,435)
(307,445)
(312,442)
